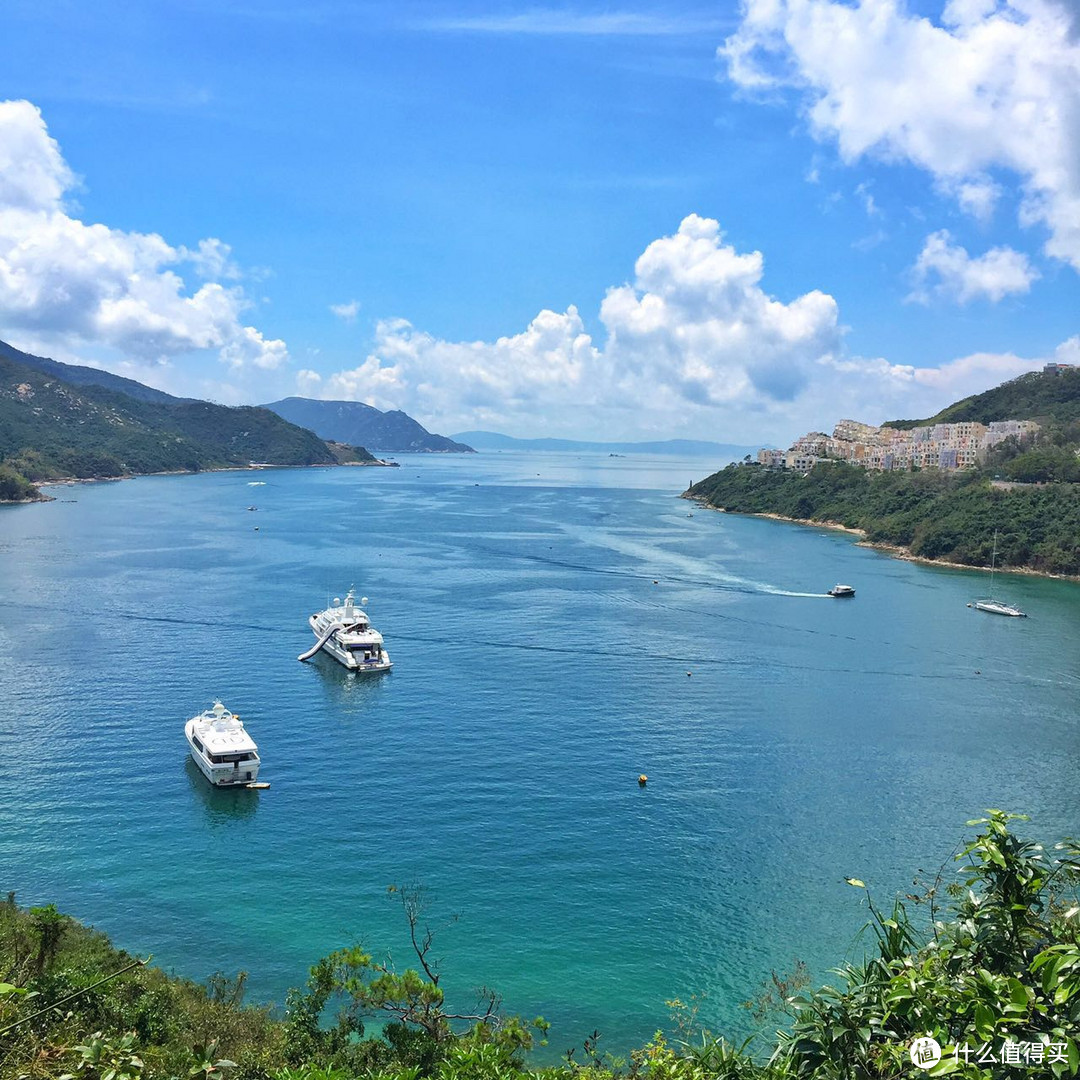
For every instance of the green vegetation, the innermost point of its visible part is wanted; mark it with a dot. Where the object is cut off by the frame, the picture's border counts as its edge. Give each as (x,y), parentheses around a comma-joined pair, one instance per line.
(989,959)
(1047,398)
(15,488)
(935,514)
(51,429)
(344,454)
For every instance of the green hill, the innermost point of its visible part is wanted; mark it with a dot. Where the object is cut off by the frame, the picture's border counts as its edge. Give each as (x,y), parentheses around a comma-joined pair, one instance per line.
(934,514)
(354,422)
(1036,395)
(51,428)
(78,375)
(1028,492)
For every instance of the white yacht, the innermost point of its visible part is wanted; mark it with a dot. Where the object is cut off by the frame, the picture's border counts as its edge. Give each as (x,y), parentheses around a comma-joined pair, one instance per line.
(990,603)
(221,747)
(841,591)
(346,633)
(999,607)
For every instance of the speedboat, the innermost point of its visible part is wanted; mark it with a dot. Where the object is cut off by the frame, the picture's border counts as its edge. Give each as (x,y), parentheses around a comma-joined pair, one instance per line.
(220,745)
(346,633)
(841,590)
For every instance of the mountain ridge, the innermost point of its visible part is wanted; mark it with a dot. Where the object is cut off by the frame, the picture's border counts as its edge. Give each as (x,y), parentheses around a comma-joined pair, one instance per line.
(393,432)
(82,375)
(54,429)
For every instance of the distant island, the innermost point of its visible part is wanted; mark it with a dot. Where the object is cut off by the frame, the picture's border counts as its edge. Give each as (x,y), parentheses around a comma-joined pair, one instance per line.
(358,424)
(1024,486)
(68,422)
(492,440)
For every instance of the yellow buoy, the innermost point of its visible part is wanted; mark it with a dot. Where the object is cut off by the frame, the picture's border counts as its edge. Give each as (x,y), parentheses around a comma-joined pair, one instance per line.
(642,779)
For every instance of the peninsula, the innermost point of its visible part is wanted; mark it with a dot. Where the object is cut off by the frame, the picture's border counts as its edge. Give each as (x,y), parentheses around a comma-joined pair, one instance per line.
(68,422)
(1004,461)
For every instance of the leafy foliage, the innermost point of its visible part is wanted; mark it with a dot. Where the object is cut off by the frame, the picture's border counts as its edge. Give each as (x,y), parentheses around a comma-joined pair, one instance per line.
(14,487)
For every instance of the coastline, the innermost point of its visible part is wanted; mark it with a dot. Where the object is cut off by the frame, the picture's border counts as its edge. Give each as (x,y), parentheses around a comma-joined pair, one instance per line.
(65,481)
(40,497)
(894,551)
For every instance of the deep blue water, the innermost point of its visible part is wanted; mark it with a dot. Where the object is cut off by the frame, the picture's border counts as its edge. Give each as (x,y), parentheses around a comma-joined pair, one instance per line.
(543,612)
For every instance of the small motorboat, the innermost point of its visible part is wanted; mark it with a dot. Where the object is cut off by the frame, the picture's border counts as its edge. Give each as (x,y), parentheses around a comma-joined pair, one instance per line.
(841,590)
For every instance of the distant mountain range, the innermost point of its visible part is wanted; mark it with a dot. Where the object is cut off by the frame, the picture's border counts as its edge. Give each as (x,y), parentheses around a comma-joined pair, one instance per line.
(65,421)
(363,425)
(492,440)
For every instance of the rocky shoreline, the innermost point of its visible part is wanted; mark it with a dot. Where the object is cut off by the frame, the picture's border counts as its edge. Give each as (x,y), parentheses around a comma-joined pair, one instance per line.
(894,550)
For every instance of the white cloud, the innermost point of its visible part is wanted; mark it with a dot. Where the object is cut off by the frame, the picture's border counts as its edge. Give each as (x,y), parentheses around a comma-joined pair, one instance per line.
(697,325)
(695,346)
(346,312)
(68,283)
(946,269)
(995,88)
(977,196)
(212,259)
(693,335)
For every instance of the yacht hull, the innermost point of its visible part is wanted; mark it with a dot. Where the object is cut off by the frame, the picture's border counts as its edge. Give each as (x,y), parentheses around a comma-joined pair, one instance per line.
(994,608)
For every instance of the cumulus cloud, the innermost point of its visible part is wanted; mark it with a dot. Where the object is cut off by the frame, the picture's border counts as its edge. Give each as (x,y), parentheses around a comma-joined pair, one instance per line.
(694,345)
(946,269)
(64,281)
(697,325)
(995,87)
(692,332)
(545,364)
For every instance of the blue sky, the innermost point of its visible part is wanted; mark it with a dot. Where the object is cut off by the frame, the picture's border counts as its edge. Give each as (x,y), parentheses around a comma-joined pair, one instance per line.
(859,210)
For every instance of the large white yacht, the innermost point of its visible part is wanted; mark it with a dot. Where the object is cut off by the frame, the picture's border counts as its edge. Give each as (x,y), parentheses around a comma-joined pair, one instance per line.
(221,747)
(346,633)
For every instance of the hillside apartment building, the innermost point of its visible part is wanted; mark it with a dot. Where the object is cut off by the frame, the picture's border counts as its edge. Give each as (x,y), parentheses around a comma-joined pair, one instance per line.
(941,446)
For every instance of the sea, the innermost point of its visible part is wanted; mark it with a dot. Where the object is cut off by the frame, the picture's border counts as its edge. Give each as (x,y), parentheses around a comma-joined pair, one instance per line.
(559,623)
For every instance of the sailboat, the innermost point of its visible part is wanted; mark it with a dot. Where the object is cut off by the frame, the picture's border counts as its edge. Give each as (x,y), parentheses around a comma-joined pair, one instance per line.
(997,607)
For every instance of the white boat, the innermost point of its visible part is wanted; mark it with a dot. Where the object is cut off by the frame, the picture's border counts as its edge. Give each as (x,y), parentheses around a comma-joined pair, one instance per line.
(999,607)
(346,633)
(841,590)
(220,745)
(989,603)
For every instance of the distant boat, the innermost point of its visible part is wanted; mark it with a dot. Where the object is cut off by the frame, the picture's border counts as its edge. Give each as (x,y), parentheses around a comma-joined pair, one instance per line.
(989,603)
(841,590)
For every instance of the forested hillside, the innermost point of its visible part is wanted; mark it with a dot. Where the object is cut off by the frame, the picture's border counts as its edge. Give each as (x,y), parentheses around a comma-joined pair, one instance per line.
(51,429)
(934,514)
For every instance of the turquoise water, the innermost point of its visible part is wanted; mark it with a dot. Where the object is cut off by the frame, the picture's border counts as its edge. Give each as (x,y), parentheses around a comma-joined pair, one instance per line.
(543,612)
